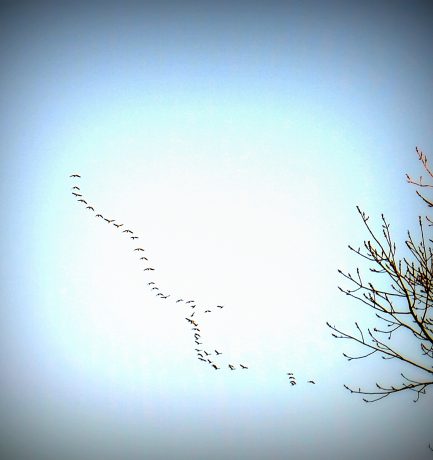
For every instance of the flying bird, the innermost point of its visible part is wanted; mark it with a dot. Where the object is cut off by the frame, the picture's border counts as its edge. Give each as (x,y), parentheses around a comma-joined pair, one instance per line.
(118,225)
(109,220)
(76,194)
(165,296)
(90,207)
(75,188)
(215,366)
(207,354)
(151,282)
(198,343)
(311,381)
(220,306)
(189,301)
(179,300)
(144,258)
(138,249)
(217,352)
(74,175)
(201,359)
(134,237)
(208,311)
(154,287)
(127,231)
(99,215)
(243,367)
(148,268)
(159,293)
(82,201)
(292,382)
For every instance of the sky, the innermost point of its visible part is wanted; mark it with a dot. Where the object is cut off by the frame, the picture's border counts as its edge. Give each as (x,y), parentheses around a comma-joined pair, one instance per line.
(235,139)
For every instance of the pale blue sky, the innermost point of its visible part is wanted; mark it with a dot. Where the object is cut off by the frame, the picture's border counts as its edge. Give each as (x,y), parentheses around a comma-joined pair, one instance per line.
(236,142)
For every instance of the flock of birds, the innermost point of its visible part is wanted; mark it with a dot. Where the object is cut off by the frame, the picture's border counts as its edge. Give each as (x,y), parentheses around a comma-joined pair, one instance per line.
(206,354)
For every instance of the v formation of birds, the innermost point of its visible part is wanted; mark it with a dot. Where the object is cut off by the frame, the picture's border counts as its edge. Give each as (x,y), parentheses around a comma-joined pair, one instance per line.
(210,356)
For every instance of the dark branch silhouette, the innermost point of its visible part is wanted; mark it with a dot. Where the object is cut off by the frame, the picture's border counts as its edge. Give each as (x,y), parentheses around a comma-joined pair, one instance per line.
(404,307)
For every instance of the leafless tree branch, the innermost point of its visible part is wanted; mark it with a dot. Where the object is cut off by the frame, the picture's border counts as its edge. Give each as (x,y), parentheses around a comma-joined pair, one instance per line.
(404,306)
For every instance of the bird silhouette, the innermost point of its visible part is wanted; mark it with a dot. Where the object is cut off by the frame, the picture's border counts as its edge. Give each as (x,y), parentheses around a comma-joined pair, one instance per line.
(292,380)
(197,336)
(311,381)
(191,302)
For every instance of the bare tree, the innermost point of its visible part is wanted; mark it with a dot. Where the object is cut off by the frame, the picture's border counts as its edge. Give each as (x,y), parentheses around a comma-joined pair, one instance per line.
(403,306)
